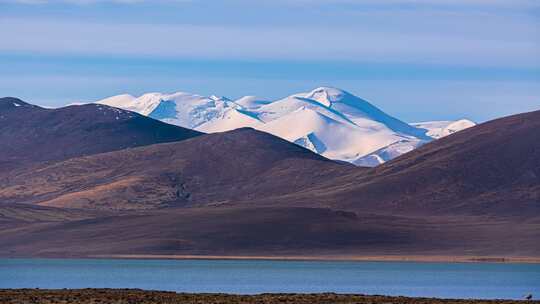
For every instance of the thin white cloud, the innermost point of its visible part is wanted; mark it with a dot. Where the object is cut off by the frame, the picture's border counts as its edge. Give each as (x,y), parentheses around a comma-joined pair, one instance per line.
(298,43)
(505,3)
(432,35)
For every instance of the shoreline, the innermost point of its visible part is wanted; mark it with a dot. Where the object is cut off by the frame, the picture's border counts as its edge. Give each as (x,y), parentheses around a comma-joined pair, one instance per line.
(106,295)
(329,258)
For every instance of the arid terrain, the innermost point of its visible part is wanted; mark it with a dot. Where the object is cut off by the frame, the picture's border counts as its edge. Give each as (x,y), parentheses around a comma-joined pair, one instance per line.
(171,192)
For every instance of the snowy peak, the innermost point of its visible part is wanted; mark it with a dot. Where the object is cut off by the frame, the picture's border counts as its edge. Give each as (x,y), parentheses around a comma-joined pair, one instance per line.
(457,126)
(329,121)
(360,111)
(389,152)
(180,108)
(327,95)
(439,129)
(219,98)
(251,102)
(119,100)
(142,105)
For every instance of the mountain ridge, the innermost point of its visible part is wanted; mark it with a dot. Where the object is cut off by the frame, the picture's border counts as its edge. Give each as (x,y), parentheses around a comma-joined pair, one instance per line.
(219,168)
(39,134)
(352,130)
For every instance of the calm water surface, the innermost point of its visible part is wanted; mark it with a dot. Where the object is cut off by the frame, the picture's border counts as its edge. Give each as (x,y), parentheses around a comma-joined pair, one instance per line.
(447,280)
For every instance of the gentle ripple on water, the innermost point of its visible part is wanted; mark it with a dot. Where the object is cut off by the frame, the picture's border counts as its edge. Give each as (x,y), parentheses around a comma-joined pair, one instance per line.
(445,280)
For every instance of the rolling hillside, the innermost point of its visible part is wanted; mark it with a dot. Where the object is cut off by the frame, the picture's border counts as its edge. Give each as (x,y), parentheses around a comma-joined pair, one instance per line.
(32,134)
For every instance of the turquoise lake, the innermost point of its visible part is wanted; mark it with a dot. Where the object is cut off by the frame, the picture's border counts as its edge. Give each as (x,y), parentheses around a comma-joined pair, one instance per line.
(445,280)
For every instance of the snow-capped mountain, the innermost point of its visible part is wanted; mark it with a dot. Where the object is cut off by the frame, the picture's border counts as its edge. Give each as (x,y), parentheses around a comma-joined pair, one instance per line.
(438,129)
(328,121)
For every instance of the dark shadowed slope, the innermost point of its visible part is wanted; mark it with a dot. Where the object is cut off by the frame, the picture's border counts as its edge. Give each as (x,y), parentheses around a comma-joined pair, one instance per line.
(218,169)
(23,214)
(273,231)
(30,133)
(472,193)
(493,168)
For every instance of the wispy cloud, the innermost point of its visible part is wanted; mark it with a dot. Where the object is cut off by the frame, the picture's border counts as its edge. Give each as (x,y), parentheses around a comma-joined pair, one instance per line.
(298,43)
(451,32)
(506,3)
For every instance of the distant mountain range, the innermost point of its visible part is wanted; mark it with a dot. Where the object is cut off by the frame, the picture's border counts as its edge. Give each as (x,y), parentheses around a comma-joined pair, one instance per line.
(327,121)
(93,180)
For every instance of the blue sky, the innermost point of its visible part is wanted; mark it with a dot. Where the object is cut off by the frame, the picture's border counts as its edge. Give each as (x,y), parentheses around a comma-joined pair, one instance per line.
(416,59)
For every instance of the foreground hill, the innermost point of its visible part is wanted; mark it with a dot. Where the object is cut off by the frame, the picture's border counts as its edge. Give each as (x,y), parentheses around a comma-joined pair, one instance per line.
(29,133)
(218,169)
(493,168)
(328,121)
(272,231)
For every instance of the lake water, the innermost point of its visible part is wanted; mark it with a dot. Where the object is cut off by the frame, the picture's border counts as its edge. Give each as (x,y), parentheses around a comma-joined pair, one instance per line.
(446,280)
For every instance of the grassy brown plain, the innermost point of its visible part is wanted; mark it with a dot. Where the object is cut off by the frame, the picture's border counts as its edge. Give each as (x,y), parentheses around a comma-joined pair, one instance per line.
(125,296)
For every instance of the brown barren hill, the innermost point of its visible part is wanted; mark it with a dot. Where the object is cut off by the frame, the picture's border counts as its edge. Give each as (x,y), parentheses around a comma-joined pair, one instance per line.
(490,169)
(472,194)
(29,133)
(216,169)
